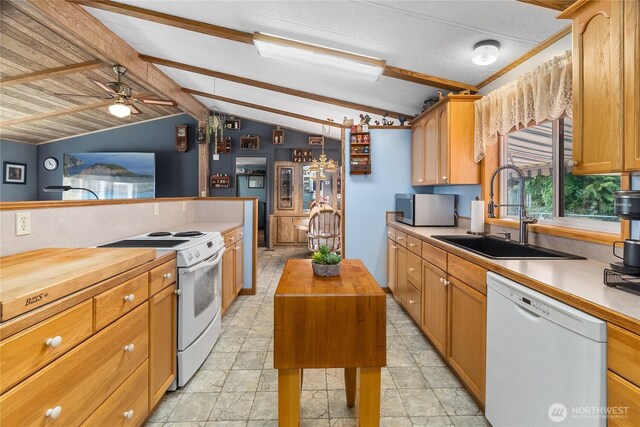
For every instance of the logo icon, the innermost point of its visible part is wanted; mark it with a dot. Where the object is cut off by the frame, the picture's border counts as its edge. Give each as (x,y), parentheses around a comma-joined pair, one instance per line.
(557,412)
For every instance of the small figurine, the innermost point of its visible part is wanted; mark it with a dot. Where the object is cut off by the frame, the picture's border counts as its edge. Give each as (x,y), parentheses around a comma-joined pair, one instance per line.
(440,95)
(377,122)
(364,119)
(347,122)
(402,119)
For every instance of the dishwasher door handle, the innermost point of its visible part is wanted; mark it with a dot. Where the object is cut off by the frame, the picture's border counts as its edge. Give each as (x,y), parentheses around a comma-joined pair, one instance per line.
(528,312)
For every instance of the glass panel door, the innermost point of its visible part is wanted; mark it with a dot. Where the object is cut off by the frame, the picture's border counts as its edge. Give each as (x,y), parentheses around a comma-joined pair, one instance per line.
(285,187)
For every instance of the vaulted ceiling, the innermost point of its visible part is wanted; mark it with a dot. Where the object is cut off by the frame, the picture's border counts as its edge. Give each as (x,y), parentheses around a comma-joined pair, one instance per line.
(427,46)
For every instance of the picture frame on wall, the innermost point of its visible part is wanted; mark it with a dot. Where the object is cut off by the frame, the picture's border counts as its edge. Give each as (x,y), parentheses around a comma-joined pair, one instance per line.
(256,181)
(15,173)
(316,140)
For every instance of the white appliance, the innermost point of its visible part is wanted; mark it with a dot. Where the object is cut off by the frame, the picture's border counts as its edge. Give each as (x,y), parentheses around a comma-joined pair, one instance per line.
(199,289)
(546,361)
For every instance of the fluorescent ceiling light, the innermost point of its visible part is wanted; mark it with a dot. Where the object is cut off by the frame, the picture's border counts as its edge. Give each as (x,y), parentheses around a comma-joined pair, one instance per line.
(120,109)
(485,52)
(340,61)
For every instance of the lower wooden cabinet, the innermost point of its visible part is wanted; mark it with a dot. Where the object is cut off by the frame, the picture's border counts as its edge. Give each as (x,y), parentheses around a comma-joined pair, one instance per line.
(232,268)
(414,302)
(162,343)
(391,265)
(623,399)
(434,306)
(74,385)
(228,273)
(401,276)
(127,406)
(467,335)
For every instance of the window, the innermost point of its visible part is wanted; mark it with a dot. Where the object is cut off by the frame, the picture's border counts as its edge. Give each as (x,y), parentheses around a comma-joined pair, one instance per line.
(553,193)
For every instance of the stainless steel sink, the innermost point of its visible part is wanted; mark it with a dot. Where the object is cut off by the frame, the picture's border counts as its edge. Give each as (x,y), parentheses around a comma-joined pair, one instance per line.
(498,248)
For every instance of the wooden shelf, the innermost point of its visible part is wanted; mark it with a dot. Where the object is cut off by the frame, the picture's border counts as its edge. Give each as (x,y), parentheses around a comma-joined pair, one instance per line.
(220,181)
(224,145)
(249,142)
(360,163)
(233,124)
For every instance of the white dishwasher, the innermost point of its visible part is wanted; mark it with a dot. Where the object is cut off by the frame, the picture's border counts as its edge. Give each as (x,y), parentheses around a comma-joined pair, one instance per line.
(546,361)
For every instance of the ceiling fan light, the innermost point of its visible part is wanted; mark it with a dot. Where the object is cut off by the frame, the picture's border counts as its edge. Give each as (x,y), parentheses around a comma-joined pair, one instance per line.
(485,52)
(120,109)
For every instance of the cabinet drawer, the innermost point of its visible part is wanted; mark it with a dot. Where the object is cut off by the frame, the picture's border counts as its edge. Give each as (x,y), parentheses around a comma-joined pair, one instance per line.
(115,302)
(240,233)
(28,351)
(79,381)
(401,238)
(391,233)
(623,397)
(414,302)
(623,354)
(230,238)
(470,273)
(414,269)
(435,256)
(162,276)
(414,245)
(127,406)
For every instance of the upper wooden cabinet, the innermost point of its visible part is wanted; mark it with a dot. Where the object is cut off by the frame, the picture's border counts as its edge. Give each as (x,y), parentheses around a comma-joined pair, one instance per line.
(605,86)
(442,143)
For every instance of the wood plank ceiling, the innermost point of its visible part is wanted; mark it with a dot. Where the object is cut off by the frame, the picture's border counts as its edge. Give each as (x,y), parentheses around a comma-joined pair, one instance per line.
(35,64)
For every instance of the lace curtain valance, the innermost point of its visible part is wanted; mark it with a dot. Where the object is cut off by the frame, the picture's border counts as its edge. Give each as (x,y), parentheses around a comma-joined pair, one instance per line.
(539,95)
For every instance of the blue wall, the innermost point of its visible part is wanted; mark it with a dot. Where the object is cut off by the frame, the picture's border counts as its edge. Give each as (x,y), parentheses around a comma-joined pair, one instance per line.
(368,197)
(19,153)
(260,193)
(176,173)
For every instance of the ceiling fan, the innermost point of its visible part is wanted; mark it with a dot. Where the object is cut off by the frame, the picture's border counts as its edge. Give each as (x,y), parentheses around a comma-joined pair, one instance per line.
(122,94)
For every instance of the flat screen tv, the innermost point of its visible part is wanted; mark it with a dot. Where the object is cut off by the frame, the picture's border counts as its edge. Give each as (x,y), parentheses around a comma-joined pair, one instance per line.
(110,175)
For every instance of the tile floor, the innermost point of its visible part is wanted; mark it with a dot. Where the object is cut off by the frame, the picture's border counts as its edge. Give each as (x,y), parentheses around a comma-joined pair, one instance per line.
(237,384)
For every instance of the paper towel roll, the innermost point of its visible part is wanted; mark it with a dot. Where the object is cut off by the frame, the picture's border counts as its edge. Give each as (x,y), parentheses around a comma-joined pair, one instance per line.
(477,216)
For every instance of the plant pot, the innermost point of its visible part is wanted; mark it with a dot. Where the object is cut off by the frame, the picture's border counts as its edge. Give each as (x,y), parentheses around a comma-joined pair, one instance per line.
(326,270)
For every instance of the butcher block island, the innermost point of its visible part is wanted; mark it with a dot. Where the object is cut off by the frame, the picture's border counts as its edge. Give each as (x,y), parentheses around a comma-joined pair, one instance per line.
(88,335)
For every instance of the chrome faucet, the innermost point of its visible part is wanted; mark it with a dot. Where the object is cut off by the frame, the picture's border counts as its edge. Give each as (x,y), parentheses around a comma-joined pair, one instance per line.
(524,219)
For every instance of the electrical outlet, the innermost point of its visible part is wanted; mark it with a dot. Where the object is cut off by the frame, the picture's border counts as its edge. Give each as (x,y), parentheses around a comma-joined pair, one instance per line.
(184,206)
(23,223)
(156,209)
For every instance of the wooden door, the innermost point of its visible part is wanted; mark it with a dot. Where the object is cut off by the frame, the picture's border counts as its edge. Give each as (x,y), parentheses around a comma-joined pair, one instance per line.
(417,154)
(467,335)
(162,343)
(285,232)
(443,144)
(623,394)
(401,274)
(228,273)
(597,93)
(431,148)
(631,86)
(239,265)
(434,305)
(391,265)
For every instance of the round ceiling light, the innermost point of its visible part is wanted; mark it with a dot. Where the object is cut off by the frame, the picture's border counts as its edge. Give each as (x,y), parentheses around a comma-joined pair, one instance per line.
(485,52)
(120,109)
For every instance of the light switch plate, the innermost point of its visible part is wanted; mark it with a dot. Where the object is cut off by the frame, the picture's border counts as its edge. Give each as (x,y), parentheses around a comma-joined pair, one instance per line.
(156,209)
(23,223)
(184,206)
(216,157)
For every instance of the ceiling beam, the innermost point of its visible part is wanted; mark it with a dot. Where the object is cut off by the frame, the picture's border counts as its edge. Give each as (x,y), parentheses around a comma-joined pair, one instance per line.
(271,87)
(171,20)
(425,79)
(550,4)
(542,46)
(51,72)
(243,37)
(90,34)
(55,113)
(261,107)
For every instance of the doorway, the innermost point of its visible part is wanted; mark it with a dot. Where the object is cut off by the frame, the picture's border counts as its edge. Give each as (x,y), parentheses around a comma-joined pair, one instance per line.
(251,181)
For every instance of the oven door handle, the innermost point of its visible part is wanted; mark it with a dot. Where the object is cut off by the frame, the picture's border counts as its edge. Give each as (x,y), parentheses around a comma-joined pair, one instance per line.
(205,264)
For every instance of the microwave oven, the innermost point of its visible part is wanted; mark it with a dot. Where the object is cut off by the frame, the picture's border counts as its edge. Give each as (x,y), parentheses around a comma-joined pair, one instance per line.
(423,210)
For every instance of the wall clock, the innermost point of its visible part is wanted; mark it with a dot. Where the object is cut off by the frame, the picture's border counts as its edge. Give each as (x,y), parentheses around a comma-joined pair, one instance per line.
(181,138)
(50,163)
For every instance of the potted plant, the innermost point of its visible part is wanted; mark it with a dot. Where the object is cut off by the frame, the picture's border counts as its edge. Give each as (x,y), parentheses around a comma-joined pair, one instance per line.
(326,263)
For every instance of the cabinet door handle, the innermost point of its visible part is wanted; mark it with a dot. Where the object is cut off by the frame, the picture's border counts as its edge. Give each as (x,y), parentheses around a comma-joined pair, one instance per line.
(129,298)
(128,415)
(167,275)
(411,301)
(53,413)
(444,178)
(420,180)
(411,245)
(572,163)
(54,342)
(394,247)
(232,238)
(178,291)
(445,282)
(399,237)
(412,269)
(129,348)
(442,280)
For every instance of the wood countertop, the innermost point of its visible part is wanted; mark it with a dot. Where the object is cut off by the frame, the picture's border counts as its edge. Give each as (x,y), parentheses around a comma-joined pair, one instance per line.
(32,279)
(578,283)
